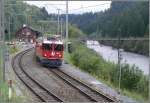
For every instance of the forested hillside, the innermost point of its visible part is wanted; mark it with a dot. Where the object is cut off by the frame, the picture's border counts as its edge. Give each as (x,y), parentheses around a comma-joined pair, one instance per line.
(130,17)
(21,13)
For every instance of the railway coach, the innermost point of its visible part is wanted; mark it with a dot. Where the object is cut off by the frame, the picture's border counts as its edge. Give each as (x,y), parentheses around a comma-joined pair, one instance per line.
(49,51)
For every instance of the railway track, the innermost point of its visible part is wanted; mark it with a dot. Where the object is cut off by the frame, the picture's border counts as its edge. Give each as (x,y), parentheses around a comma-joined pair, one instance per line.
(46,94)
(83,88)
(41,92)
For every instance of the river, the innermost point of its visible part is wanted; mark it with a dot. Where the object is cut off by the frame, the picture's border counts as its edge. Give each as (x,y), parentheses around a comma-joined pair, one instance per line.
(111,54)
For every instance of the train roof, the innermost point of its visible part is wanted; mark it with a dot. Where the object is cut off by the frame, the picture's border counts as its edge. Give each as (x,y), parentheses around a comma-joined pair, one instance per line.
(52,41)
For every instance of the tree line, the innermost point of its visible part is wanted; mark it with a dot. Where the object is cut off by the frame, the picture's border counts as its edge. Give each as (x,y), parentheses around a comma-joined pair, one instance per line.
(132,18)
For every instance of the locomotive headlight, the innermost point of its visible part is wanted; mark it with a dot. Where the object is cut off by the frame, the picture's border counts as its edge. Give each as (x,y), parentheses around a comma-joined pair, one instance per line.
(45,55)
(59,55)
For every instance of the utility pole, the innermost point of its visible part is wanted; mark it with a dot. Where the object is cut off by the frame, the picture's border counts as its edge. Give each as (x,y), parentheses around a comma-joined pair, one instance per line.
(9,27)
(66,25)
(0,40)
(58,32)
(2,34)
(0,20)
(119,59)
(149,63)
(26,19)
(61,29)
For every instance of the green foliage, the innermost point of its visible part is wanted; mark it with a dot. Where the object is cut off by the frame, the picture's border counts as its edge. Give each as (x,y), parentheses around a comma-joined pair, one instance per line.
(143,83)
(13,49)
(75,33)
(133,80)
(21,13)
(4,92)
(1,55)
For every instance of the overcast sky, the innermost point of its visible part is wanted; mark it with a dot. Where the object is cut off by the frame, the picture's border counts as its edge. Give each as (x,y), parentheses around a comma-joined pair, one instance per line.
(74,6)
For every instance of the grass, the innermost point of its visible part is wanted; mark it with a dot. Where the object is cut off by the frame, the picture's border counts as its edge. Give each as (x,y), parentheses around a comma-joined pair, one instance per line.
(4,96)
(134,95)
(0,55)
(4,92)
(67,58)
(1,51)
(16,98)
(4,85)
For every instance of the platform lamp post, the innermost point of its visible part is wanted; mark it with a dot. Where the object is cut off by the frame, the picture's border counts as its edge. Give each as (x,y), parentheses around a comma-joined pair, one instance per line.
(66,25)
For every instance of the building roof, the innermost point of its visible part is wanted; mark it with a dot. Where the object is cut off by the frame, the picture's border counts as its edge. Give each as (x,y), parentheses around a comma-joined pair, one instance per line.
(33,30)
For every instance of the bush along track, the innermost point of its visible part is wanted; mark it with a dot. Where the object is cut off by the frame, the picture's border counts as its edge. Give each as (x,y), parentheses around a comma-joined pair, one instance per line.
(133,82)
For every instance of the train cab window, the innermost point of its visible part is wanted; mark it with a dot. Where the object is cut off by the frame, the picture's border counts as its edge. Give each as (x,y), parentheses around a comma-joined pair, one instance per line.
(58,47)
(47,46)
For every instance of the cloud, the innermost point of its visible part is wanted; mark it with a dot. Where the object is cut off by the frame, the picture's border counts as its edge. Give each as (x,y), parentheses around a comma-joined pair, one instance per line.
(75,7)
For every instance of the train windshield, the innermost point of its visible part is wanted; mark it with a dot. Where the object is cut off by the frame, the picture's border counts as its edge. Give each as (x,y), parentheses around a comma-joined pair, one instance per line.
(58,47)
(47,46)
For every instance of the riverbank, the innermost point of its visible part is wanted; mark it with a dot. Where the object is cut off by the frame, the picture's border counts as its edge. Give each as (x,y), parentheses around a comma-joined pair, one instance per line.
(133,83)
(134,46)
(111,54)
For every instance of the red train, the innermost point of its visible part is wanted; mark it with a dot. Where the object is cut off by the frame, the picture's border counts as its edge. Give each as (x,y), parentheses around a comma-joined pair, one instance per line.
(49,51)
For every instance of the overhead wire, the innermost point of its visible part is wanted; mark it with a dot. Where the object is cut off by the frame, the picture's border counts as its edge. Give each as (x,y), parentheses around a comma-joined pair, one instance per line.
(63,11)
(88,7)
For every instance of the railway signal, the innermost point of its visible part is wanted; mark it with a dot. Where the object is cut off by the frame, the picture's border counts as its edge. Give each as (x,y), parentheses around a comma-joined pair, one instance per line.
(10,89)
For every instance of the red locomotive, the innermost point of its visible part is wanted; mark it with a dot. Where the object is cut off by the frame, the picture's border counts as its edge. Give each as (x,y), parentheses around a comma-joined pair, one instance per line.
(49,51)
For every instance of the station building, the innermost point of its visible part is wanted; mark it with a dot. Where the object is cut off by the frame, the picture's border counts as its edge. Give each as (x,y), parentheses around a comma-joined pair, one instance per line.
(27,34)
